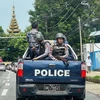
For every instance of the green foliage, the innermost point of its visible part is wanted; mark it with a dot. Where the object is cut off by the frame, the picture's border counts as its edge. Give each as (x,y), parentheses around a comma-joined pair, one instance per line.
(1,30)
(13,47)
(52,19)
(28,28)
(96,77)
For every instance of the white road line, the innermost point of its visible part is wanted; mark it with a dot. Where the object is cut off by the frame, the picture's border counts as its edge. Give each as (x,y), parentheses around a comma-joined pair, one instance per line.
(7,77)
(4,81)
(7,71)
(7,80)
(7,84)
(4,92)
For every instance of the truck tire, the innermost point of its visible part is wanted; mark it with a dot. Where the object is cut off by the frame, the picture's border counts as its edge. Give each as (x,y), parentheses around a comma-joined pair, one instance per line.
(68,98)
(30,98)
(77,98)
(18,97)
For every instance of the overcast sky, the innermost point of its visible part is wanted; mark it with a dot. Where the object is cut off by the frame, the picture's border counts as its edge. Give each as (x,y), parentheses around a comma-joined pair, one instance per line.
(21,10)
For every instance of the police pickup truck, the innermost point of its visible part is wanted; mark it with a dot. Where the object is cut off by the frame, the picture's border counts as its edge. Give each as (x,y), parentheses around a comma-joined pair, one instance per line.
(50,79)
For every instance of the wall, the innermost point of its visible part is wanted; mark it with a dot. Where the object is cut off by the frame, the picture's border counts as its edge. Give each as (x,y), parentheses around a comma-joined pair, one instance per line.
(95,57)
(87,48)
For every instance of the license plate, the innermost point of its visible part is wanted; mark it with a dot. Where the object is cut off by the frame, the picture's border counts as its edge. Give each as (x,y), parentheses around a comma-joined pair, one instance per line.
(52,87)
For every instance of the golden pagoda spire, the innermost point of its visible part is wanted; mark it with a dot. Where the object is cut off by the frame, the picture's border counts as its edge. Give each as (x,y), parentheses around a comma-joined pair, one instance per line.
(13,28)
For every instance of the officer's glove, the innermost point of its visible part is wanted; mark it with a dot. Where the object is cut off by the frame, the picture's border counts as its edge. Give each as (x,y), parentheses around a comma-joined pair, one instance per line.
(55,59)
(35,58)
(34,48)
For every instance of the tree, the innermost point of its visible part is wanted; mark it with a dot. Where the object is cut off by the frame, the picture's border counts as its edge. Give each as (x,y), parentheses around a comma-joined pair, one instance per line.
(62,16)
(28,28)
(12,48)
(1,30)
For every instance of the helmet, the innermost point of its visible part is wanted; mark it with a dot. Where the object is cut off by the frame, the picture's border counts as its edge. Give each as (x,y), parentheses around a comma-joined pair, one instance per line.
(65,38)
(39,36)
(60,35)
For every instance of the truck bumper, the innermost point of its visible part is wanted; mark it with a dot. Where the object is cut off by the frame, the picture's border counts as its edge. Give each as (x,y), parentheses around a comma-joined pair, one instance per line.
(67,90)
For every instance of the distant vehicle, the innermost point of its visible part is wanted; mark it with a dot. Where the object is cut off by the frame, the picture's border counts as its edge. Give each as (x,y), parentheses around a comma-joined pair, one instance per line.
(1,59)
(2,66)
(9,66)
(50,79)
(14,66)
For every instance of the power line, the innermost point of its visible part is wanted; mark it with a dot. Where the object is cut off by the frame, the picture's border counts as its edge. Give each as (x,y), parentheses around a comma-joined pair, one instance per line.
(66,18)
(83,23)
(13,37)
(61,19)
(57,14)
(73,33)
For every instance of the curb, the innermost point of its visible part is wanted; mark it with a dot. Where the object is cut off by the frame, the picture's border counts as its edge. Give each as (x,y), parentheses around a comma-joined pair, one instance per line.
(92,79)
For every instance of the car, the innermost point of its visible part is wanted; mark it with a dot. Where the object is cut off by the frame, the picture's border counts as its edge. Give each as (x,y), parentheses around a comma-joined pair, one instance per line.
(2,66)
(10,66)
(15,66)
(7,66)
(51,79)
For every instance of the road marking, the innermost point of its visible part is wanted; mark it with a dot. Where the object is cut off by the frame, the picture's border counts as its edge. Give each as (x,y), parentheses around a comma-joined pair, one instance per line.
(4,92)
(4,81)
(7,80)
(7,84)
(7,77)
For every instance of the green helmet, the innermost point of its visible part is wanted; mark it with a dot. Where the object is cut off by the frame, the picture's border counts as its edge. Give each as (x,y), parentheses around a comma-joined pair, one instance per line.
(60,35)
(39,36)
(65,38)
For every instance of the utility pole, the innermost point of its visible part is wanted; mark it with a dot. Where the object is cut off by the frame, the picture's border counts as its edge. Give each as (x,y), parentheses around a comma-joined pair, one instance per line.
(80,32)
(46,23)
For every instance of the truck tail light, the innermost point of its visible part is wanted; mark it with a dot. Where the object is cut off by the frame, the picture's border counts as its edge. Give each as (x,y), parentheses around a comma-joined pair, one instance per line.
(20,69)
(83,70)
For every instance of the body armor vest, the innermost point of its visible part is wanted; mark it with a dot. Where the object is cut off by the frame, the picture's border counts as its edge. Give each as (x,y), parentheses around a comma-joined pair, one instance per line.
(58,50)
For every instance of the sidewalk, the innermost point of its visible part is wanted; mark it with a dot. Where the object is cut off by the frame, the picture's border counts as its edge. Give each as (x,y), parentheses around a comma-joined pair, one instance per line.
(93,73)
(93,88)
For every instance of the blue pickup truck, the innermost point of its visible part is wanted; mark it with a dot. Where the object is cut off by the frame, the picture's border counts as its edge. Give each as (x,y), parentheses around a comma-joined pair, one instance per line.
(50,79)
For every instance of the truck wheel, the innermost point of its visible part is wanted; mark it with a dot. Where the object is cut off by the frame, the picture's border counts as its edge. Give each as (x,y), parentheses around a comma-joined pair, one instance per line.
(68,98)
(20,98)
(77,98)
(30,98)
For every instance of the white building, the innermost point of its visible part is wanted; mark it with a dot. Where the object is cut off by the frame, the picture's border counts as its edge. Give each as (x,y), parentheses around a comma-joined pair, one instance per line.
(90,47)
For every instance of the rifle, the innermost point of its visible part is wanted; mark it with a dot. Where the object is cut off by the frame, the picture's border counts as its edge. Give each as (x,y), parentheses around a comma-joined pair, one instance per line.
(65,61)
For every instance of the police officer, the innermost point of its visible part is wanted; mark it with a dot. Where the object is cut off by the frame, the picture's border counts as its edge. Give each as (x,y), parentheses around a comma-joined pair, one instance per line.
(32,33)
(31,38)
(44,47)
(60,49)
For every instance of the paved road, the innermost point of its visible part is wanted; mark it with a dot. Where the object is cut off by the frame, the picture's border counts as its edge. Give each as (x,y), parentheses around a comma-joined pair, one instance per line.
(7,87)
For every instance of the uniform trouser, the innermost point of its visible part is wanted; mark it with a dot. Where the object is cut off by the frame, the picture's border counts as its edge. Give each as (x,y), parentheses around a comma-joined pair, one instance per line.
(31,53)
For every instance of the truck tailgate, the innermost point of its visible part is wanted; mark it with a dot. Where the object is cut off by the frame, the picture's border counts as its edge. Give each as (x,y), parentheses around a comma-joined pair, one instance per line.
(51,72)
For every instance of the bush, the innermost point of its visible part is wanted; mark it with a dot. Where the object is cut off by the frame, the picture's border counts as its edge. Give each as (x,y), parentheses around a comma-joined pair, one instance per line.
(95,79)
